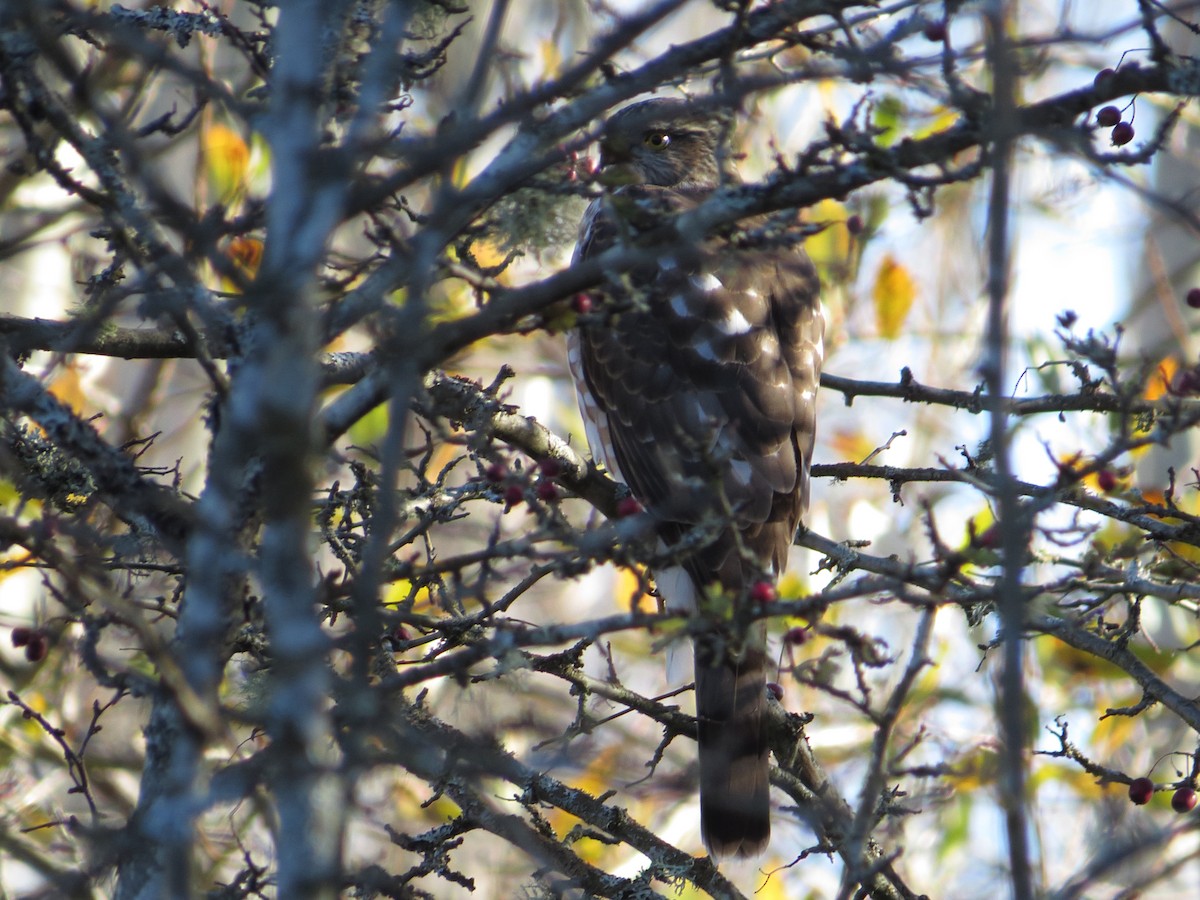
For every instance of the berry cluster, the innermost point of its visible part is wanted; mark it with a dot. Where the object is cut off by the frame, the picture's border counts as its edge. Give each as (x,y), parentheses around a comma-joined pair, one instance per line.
(515,484)
(33,640)
(1110,116)
(1142,789)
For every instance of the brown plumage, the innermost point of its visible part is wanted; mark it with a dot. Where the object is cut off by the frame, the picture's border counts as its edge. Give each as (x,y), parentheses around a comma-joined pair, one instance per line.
(698,390)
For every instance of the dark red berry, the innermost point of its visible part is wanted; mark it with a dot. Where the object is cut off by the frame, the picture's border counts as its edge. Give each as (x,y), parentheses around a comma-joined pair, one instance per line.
(854,224)
(583,304)
(1108,117)
(935,31)
(762,592)
(1186,383)
(496,472)
(775,689)
(513,494)
(990,538)
(628,506)
(21,636)
(547,491)
(1193,298)
(1141,790)
(1102,76)
(795,636)
(1107,479)
(399,634)
(1122,134)
(551,468)
(35,650)
(1183,800)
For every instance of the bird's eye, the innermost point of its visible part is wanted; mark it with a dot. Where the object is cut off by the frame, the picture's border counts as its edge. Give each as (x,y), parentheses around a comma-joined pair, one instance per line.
(657,139)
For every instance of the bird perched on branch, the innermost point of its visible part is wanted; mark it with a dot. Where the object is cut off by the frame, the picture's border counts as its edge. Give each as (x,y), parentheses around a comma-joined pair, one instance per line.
(697,377)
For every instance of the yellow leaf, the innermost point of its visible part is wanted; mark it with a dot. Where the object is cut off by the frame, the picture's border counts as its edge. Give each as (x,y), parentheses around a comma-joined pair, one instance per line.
(830,247)
(401,592)
(975,769)
(489,255)
(1158,383)
(978,525)
(443,456)
(551,58)
(228,159)
(1114,734)
(630,590)
(774,888)
(1074,778)
(854,446)
(893,294)
(598,776)
(792,586)
(371,427)
(68,387)
(246,255)
(942,120)
(1188,504)
(13,562)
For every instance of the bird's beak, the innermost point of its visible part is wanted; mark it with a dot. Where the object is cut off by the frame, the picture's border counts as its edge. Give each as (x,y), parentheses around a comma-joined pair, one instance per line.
(616,166)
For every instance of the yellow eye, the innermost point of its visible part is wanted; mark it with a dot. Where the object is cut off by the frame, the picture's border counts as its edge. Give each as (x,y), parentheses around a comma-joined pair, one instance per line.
(658,140)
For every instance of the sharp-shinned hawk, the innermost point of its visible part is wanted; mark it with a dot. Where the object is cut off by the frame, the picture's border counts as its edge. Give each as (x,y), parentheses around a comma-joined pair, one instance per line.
(697,380)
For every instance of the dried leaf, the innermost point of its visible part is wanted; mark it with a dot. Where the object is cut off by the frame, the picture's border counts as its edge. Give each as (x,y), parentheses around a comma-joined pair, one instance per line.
(1160,382)
(228,159)
(893,293)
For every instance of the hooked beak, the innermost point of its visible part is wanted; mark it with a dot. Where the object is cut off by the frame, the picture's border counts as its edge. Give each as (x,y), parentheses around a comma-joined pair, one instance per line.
(616,167)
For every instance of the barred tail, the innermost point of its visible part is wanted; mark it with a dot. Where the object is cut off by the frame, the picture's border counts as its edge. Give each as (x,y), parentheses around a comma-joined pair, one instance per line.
(731,702)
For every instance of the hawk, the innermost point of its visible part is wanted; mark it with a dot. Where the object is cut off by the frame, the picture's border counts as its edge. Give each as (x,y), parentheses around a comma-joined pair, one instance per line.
(697,380)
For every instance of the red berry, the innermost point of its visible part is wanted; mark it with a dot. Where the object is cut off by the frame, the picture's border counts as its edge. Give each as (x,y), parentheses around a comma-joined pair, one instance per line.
(628,506)
(935,31)
(513,494)
(1122,134)
(496,472)
(1108,117)
(1193,298)
(991,537)
(762,592)
(1107,479)
(547,491)
(1141,790)
(551,468)
(21,636)
(1186,382)
(35,650)
(795,636)
(854,224)
(775,689)
(1183,800)
(583,304)
(399,634)
(1102,76)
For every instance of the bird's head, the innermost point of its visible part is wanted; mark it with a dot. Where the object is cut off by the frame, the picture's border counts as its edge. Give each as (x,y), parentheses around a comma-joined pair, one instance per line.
(669,143)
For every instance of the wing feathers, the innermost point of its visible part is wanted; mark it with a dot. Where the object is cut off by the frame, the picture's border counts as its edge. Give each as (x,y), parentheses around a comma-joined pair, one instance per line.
(702,382)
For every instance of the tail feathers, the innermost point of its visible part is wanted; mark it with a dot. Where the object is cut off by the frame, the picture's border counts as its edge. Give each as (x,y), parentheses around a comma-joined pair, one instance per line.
(735,815)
